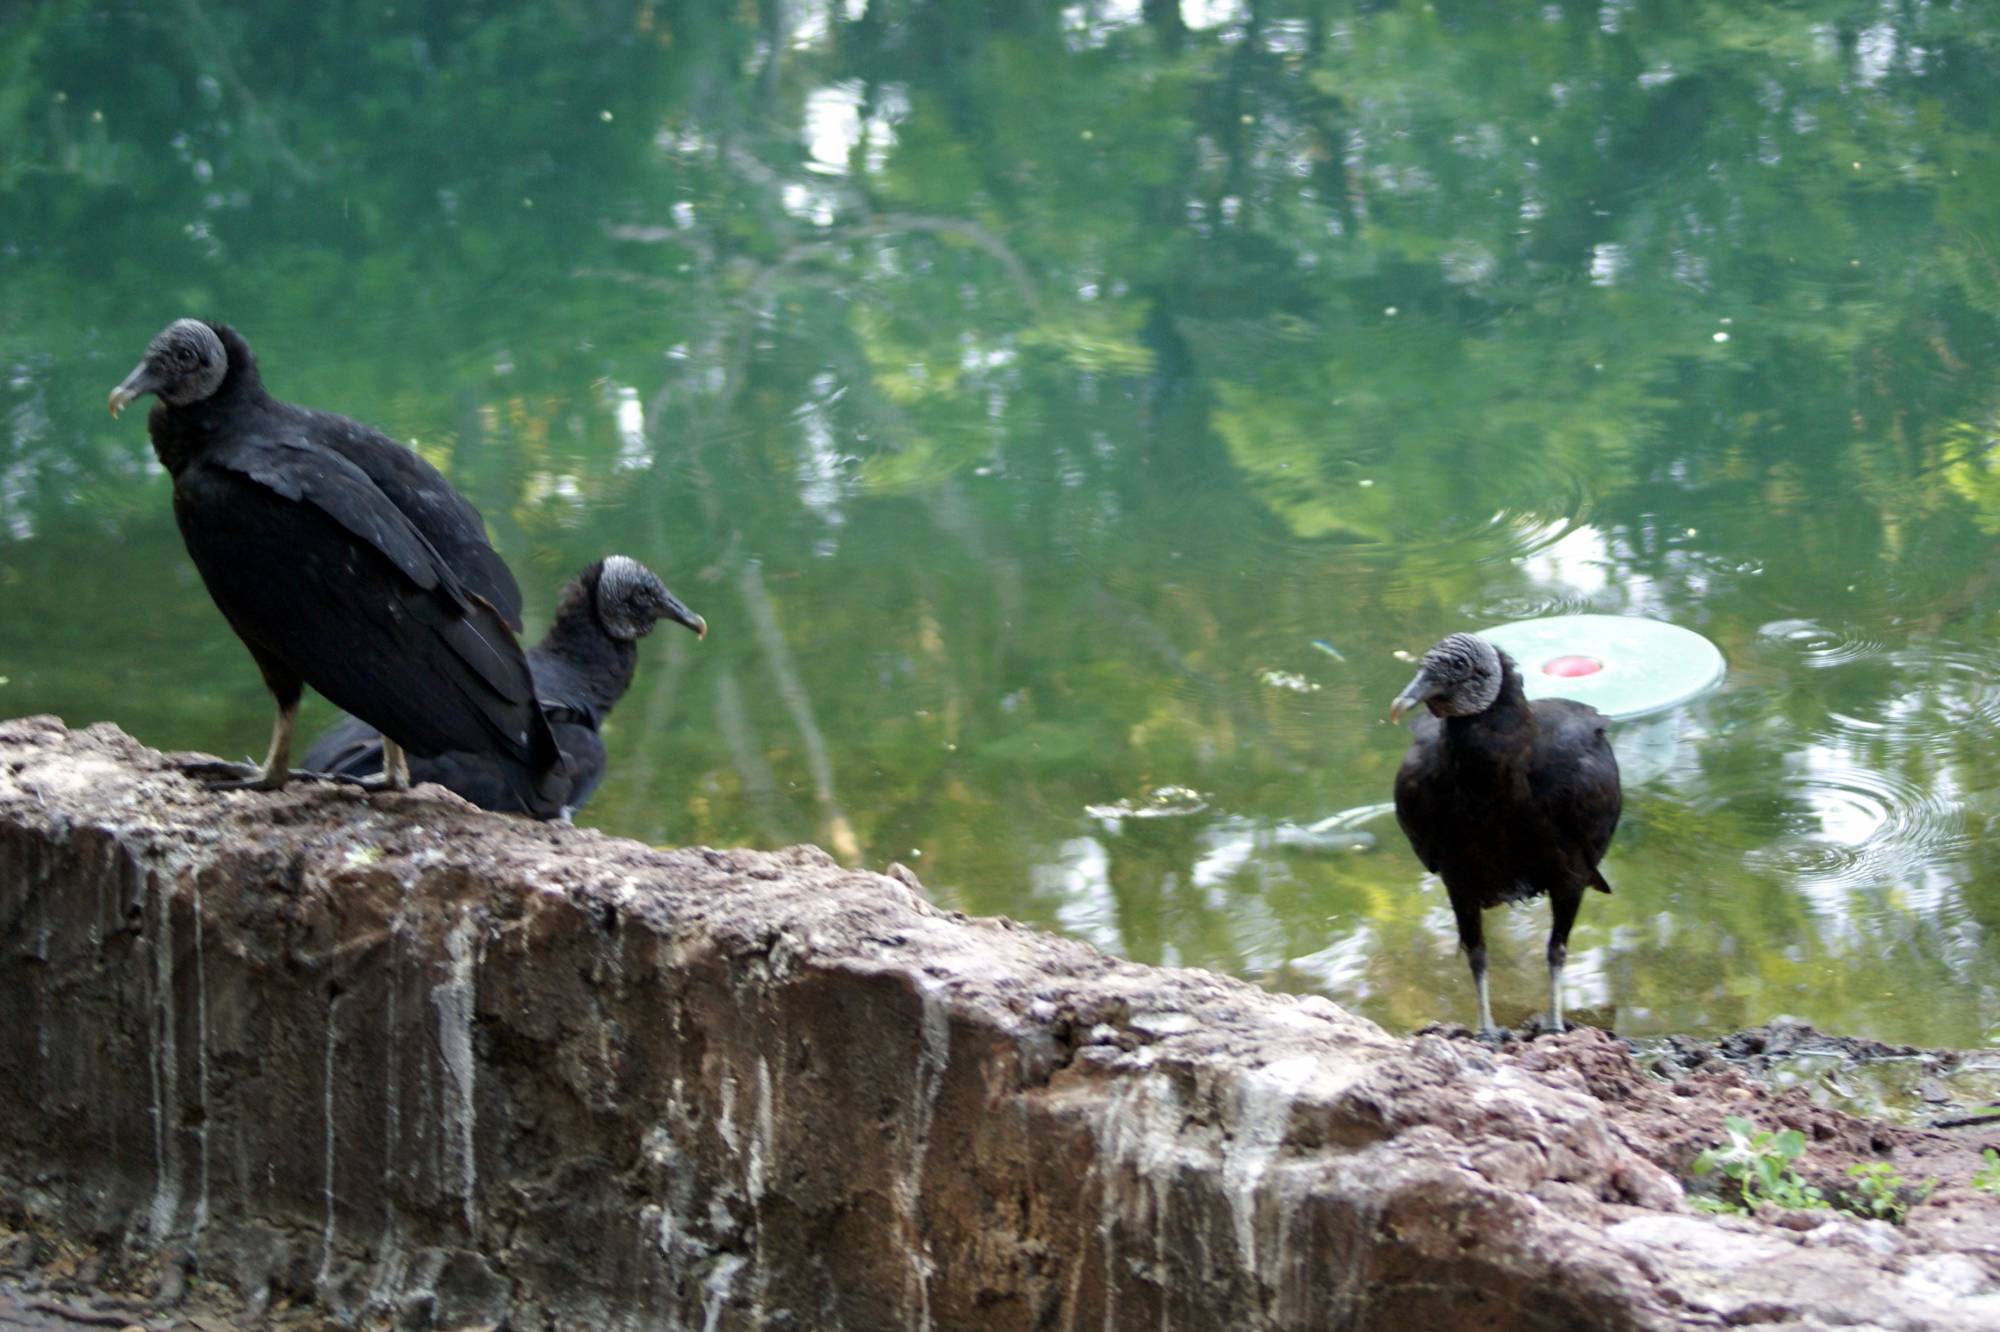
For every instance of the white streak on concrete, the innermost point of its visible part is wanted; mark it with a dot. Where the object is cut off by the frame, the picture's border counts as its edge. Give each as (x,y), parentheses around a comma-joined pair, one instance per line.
(1263,1114)
(327,1144)
(1138,1138)
(669,1234)
(392,1090)
(725,1122)
(455,1005)
(166,1068)
(763,1146)
(201,1060)
(933,1057)
(761,1135)
(716,1289)
(389,1258)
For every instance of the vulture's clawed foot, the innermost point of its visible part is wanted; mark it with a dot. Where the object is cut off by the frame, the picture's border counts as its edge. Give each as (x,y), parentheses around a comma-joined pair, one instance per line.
(218,770)
(221,776)
(373,782)
(258,780)
(1494,1037)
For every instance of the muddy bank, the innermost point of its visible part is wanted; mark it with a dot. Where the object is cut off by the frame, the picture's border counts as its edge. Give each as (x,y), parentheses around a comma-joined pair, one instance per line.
(339,1059)
(1669,1107)
(1899,1083)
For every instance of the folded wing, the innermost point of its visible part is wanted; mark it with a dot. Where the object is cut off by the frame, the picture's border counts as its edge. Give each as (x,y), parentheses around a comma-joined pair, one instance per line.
(361,605)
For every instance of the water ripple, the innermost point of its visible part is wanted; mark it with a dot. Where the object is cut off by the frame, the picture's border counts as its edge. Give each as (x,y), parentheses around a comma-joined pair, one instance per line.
(1529,607)
(1936,695)
(1819,646)
(1858,828)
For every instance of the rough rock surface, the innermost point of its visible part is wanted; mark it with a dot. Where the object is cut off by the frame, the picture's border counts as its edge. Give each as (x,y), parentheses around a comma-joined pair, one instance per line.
(396,1058)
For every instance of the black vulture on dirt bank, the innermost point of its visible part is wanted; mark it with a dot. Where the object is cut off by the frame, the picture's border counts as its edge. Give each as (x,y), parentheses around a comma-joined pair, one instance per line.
(582,667)
(343,561)
(1505,800)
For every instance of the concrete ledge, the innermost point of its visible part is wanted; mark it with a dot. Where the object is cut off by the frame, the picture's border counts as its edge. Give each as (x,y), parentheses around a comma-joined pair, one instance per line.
(395,1057)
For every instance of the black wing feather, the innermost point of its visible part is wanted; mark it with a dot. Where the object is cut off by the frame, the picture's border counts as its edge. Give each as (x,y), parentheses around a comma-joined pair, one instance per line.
(560,686)
(447,519)
(1575,772)
(361,607)
(328,481)
(352,748)
(348,748)
(311,475)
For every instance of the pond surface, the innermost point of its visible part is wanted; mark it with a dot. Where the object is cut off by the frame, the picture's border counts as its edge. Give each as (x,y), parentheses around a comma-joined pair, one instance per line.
(1065,416)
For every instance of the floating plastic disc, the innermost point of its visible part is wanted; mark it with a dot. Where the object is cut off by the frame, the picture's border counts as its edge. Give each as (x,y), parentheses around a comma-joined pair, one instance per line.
(1622,665)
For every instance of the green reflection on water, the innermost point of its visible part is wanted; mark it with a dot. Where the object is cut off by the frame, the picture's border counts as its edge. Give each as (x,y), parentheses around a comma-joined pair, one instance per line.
(1019,396)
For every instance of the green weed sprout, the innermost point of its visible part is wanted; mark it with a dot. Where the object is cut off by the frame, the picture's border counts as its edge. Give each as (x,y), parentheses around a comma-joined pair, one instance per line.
(1759,1163)
(1880,1192)
(1987,1178)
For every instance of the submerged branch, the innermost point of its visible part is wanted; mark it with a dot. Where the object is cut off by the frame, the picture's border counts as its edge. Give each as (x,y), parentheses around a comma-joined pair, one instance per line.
(764,620)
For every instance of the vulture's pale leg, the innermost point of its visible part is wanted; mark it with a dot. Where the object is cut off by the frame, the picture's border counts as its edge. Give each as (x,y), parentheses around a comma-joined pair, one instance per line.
(241,776)
(395,774)
(1487,1028)
(395,765)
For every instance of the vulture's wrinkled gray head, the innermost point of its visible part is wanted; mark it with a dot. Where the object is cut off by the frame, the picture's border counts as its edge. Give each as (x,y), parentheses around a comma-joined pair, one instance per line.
(1460,677)
(184,363)
(631,599)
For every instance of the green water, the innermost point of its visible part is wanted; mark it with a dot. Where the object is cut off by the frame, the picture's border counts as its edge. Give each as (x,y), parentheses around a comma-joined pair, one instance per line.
(1019,391)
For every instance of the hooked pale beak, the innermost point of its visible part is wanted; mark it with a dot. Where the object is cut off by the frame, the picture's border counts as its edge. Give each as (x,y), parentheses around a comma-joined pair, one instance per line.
(680,614)
(1421,689)
(137,384)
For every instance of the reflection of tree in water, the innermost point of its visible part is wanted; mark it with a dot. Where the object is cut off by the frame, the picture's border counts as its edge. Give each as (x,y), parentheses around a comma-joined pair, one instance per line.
(1015,388)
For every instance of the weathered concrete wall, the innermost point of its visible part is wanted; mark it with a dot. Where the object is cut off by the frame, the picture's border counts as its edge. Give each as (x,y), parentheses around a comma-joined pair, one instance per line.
(396,1056)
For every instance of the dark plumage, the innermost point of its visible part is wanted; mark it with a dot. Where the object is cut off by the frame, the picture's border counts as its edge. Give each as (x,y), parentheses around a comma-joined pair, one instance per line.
(582,667)
(1504,799)
(344,561)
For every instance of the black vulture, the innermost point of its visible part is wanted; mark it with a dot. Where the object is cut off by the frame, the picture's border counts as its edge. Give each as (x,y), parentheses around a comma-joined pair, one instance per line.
(582,667)
(1505,800)
(342,560)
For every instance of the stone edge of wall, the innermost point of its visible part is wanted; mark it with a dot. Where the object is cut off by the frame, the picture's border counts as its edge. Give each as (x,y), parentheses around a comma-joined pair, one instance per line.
(393,1056)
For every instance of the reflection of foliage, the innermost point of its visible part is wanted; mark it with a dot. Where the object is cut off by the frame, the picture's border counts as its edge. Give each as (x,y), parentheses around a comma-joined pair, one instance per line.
(1107,363)
(1973,469)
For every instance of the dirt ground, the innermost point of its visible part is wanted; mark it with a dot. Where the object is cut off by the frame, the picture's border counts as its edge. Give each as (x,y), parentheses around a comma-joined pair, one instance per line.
(1668,1100)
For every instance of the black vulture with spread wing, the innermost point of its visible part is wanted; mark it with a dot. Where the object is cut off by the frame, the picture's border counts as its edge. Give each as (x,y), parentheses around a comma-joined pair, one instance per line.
(582,667)
(344,561)
(1504,799)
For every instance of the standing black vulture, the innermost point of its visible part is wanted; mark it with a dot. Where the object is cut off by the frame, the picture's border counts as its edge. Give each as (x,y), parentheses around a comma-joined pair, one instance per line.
(342,560)
(1503,799)
(582,667)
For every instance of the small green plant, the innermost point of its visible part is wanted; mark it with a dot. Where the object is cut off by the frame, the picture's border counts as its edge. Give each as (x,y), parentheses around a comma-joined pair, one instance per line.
(1987,1178)
(1759,1163)
(1882,1193)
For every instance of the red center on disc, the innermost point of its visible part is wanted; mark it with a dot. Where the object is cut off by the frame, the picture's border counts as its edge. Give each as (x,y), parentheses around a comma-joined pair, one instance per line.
(1572,666)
